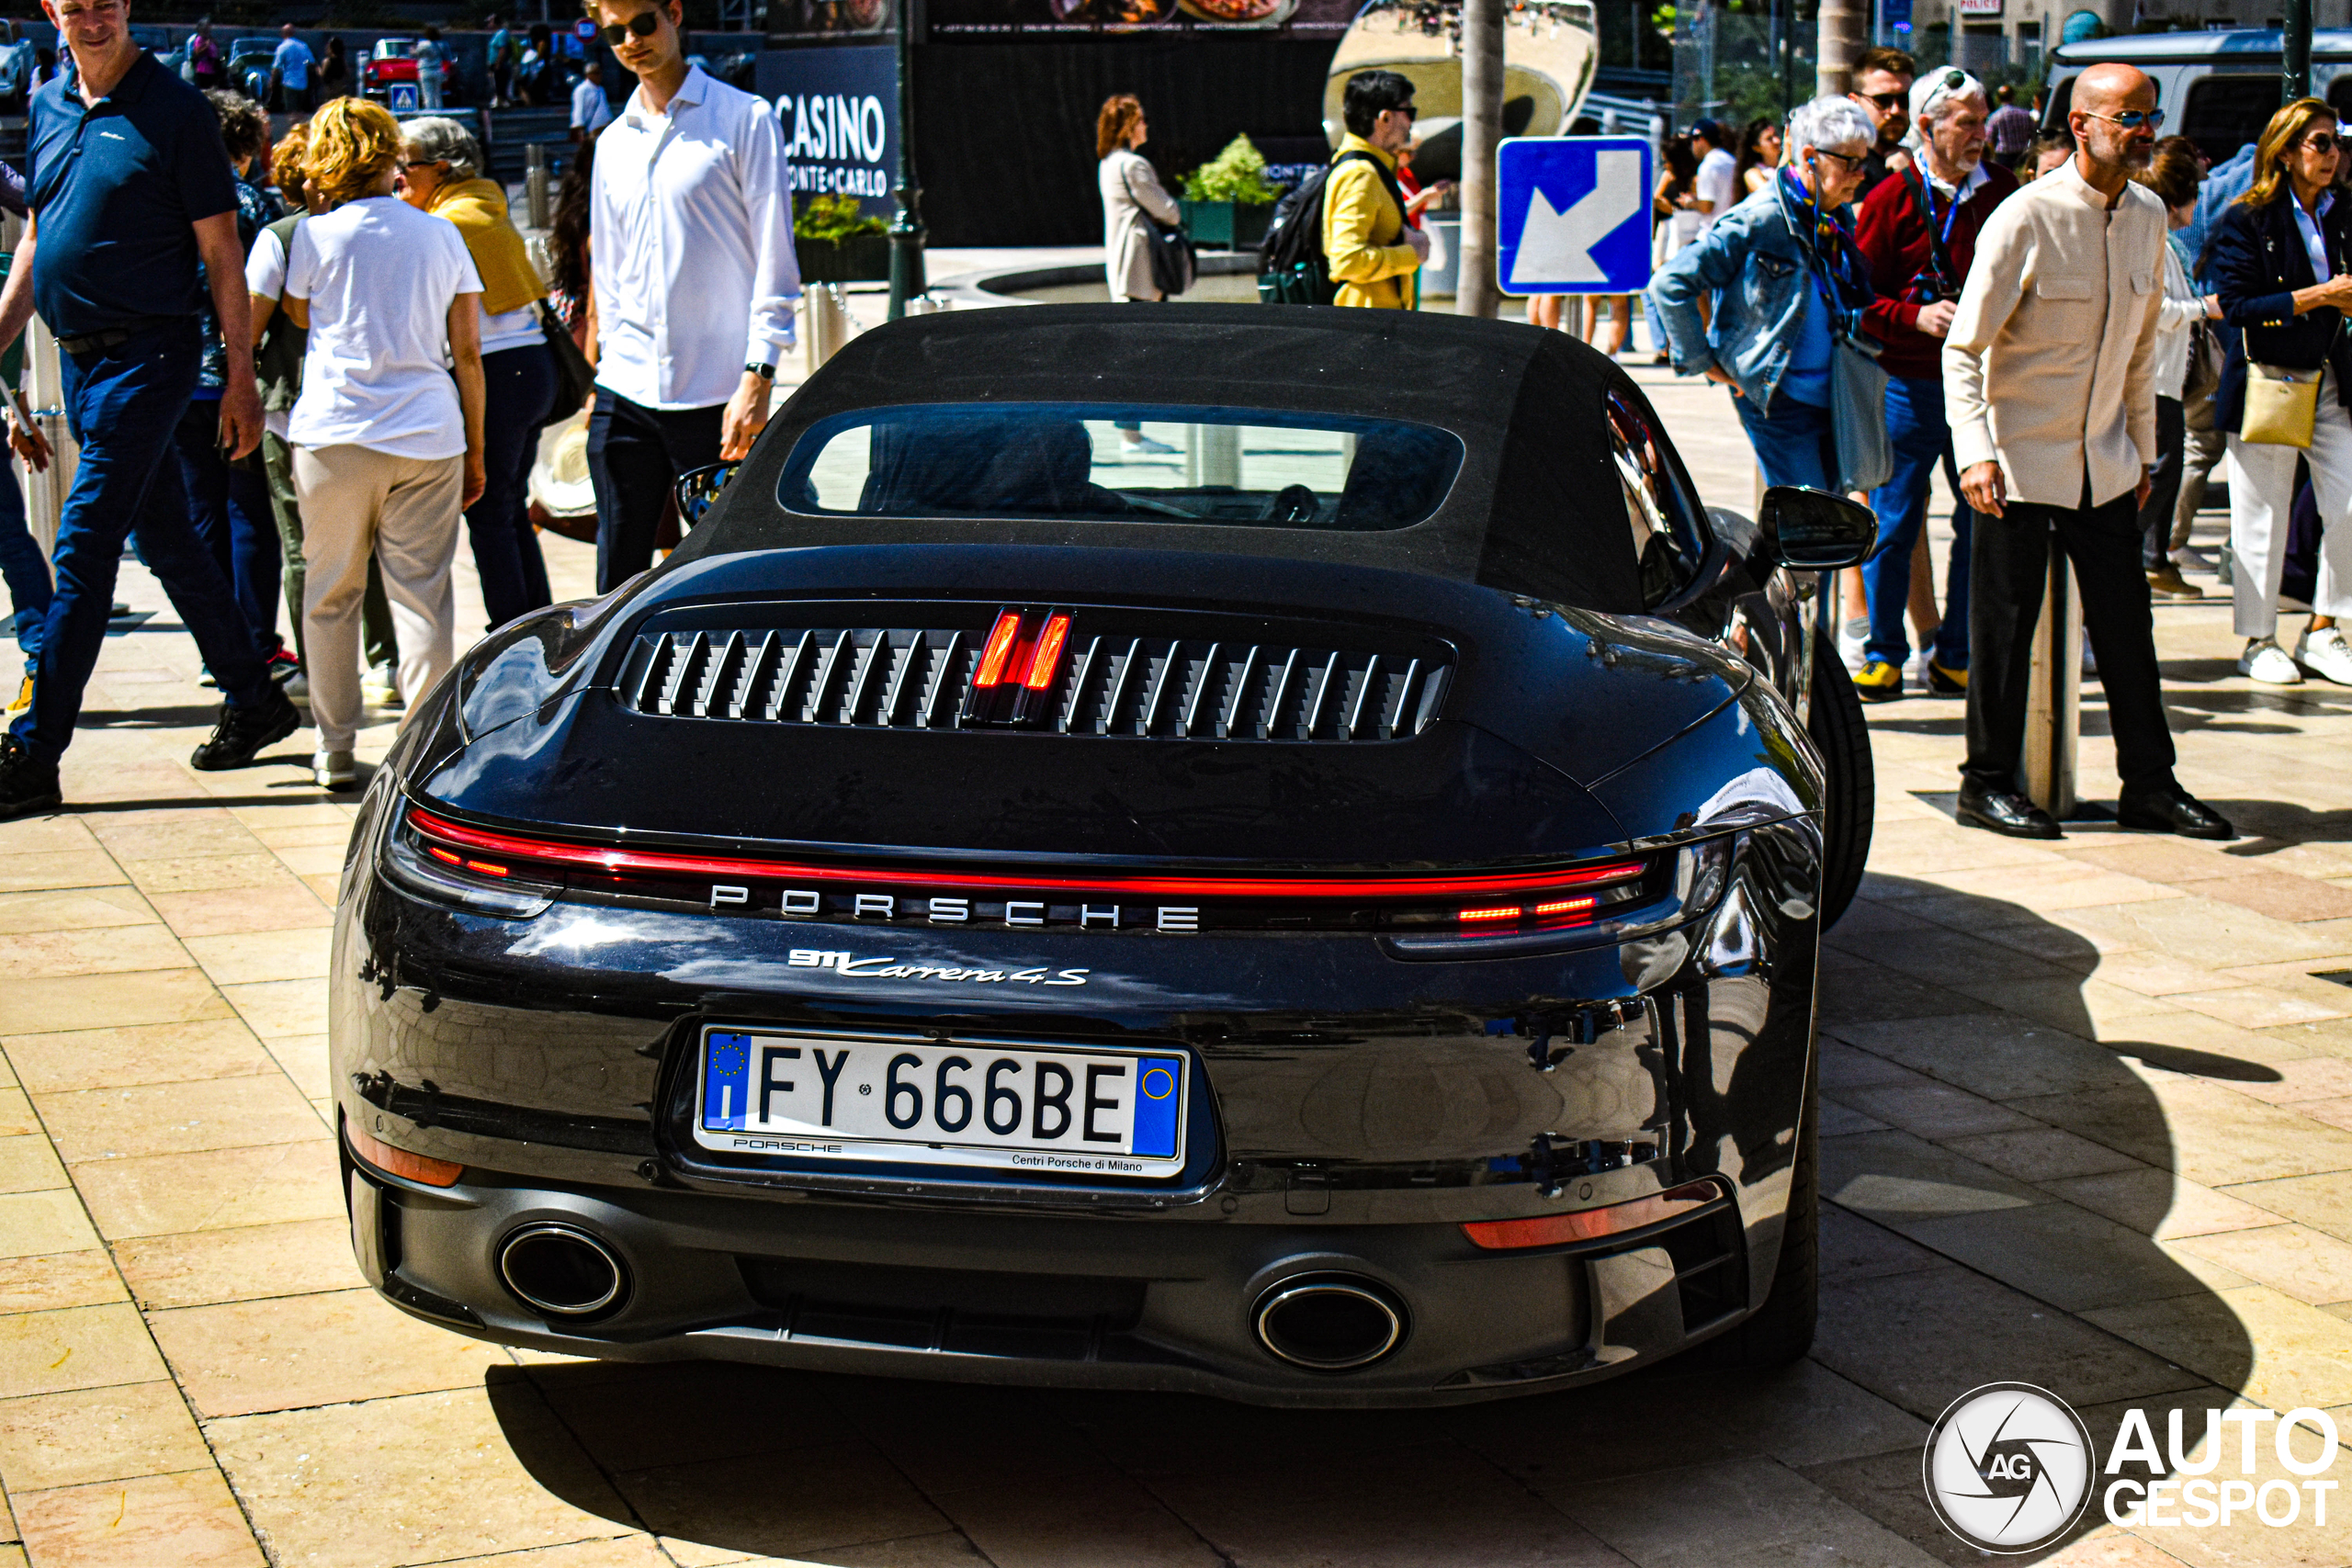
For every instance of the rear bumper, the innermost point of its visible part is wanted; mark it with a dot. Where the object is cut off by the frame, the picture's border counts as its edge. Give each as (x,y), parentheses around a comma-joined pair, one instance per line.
(1074,1302)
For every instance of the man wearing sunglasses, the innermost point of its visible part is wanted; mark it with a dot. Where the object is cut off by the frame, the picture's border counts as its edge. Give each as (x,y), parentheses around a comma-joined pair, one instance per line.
(1883,87)
(690,229)
(2050,386)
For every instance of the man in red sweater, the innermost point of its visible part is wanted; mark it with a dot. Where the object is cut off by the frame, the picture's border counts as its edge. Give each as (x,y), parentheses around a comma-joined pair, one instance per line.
(1919,231)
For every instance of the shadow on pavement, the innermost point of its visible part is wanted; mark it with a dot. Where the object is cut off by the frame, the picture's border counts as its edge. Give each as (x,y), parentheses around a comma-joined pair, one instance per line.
(1994,1180)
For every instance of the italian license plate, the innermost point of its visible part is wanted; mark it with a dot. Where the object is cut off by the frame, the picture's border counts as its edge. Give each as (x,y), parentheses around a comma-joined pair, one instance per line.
(970,1103)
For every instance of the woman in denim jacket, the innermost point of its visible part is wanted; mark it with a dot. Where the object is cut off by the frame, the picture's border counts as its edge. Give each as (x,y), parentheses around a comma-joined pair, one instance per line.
(1785,282)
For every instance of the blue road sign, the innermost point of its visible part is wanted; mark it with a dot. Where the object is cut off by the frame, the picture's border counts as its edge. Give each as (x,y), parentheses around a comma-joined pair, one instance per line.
(1573,214)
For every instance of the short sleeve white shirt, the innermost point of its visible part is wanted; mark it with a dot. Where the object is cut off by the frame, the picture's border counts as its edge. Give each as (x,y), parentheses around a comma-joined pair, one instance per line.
(380,277)
(1717,181)
(266,267)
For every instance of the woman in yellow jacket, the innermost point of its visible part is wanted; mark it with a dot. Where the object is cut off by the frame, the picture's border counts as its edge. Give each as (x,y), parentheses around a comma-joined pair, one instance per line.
(1372,252)
(442,174)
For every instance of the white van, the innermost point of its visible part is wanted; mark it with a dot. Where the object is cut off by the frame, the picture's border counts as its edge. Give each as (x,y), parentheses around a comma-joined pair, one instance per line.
(2219,89)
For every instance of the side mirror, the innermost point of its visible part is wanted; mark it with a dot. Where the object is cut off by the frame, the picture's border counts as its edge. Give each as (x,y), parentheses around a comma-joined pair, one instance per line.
(697,492)
(1813,530)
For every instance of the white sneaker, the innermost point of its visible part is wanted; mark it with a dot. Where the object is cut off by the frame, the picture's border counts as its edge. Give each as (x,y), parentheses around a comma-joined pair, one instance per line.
(380,687)
(2266,662)
(2325,654)
(334,769)
(1853,644)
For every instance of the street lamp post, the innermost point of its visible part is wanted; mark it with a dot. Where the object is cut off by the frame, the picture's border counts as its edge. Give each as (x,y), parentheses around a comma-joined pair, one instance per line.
(906,230)
(2295,81)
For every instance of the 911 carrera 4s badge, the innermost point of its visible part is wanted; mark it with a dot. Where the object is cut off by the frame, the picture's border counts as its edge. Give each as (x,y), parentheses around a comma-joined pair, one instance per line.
(889,968)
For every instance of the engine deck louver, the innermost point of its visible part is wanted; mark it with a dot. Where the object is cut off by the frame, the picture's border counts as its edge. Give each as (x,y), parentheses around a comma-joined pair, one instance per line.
(1108,686)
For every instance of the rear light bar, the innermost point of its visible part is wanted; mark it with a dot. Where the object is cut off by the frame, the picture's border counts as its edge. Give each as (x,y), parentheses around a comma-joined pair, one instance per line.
(399,1162)
(613,861)
(1591,1225)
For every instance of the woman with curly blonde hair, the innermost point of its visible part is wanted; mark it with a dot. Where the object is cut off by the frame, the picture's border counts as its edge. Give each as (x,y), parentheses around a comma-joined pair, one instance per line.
(388,430)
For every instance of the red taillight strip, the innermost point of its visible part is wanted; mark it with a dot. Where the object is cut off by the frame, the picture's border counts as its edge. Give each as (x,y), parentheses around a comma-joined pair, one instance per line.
(1591,1225)
(1047,656)
(655,861)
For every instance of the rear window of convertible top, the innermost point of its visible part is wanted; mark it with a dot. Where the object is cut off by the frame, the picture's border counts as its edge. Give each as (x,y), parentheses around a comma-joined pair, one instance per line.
(1122,463)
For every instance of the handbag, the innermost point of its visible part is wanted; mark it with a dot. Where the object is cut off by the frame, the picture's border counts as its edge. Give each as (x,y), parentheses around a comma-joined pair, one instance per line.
(1857,417)
(575,379)
(1173,264)
(2281,405)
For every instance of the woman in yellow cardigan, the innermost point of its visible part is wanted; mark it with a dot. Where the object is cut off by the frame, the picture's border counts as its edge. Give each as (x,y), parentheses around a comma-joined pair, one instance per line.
(442,174)
(1372,254)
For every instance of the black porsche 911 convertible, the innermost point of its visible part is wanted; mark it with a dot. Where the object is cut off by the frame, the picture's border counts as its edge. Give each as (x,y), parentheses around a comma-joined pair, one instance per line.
(1264,850)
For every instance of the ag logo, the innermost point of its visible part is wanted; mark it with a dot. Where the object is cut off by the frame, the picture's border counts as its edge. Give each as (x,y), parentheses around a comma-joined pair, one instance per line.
(2008,1467)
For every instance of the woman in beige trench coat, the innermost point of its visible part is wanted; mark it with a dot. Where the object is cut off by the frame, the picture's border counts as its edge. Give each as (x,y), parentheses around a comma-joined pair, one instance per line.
(1132,197)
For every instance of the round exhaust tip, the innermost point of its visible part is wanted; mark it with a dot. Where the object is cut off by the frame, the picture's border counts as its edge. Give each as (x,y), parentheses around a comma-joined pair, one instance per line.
(1333,1323)
(562,1271)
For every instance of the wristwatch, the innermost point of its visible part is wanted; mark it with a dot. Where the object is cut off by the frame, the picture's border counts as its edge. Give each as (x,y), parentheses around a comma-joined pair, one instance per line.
(765,372)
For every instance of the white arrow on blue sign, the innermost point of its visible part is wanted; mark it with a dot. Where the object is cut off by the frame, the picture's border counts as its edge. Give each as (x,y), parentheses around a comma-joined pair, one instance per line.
(1573,214)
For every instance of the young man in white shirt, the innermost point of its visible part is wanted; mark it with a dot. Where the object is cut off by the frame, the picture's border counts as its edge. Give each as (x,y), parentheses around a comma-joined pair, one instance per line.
(1715,187)
(691,228)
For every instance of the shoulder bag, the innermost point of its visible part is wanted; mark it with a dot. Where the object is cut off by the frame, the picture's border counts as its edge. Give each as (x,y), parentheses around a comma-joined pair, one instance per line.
(1857,384)
(1173,264)
(2282,402)
(575,379)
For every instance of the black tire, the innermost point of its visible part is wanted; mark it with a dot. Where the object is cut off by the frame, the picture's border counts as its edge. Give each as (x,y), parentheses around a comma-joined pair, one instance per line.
(1781,1329)
(1843,740)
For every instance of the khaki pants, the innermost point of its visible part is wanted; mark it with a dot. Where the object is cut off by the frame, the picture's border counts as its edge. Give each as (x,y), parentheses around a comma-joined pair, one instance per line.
(404,511)
(375,615)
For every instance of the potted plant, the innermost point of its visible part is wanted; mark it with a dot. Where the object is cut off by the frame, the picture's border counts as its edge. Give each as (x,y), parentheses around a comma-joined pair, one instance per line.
(1229,201)
(837,242)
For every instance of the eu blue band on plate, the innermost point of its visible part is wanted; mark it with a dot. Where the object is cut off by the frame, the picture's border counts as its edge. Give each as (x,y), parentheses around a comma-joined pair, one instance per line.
(725,1081)
(1159,1101)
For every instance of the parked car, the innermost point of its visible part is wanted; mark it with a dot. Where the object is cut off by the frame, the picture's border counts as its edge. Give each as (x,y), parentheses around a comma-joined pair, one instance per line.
(392,61)
(2219,89)
(251,61)
(1326,915)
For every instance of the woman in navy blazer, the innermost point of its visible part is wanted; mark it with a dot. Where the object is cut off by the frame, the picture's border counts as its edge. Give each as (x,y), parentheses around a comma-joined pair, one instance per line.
(2277,263)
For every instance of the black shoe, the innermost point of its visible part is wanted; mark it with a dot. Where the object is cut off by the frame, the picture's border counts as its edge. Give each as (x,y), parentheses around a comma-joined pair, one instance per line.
(243,732)
(26,784)
(2000,811)
(2173,811)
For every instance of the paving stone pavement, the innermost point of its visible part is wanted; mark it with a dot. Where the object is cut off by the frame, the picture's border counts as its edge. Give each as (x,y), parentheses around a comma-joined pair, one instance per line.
(2087,1124)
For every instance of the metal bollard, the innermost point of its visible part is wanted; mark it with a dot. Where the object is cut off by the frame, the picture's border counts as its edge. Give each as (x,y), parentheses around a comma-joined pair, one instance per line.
(534,184)
(2054,706)
(825,323)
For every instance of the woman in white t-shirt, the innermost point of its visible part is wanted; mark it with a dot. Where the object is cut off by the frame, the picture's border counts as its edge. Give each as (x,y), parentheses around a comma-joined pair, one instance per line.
(388,431)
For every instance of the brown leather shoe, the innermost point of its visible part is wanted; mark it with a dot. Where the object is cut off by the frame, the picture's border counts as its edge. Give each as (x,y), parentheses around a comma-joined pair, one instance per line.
(2165,582)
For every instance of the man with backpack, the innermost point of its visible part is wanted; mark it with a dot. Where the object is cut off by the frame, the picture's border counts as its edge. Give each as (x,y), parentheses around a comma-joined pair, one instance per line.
(1372,252)
(1919,231)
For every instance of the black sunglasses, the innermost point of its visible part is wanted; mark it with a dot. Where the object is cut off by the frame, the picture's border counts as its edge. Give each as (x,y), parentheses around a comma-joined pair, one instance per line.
(2322,140)
(1890,100)
(645,24)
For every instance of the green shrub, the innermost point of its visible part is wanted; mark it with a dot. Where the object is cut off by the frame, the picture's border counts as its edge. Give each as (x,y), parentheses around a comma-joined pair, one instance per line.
(1238,173)
(836,219)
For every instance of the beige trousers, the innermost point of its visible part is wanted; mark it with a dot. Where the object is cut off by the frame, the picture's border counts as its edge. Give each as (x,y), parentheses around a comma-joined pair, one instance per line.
(357,502)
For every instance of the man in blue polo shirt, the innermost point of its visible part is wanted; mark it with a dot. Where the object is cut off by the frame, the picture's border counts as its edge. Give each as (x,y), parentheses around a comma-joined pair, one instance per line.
(131,189)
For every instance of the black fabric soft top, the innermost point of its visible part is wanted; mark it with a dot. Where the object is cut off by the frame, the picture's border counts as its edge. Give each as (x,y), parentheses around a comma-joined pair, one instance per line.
(1536,507)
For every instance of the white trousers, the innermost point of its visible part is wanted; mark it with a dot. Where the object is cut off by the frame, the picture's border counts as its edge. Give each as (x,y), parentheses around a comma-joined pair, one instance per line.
(357,502)
(2262,496)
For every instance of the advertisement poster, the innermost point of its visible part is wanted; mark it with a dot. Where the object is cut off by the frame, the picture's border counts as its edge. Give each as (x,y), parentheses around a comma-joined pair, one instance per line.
(964,21)
(795,21)
(840,112)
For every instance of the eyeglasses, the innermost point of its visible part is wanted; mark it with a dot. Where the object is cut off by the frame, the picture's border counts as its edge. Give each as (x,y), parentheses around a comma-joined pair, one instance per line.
(2323,142)
(645,24)
(1889,101)
(1846,158)
(421,163)
(2130,119)
(1408,111)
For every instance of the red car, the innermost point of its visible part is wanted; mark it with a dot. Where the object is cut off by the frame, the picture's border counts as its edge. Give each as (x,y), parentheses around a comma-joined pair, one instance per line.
(393,61)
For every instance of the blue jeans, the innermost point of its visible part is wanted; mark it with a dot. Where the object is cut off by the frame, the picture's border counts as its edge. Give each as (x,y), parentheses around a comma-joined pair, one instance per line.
(1915,429)
(518,393)
(24,567)
(229,507)
(1794,442)
(122,405)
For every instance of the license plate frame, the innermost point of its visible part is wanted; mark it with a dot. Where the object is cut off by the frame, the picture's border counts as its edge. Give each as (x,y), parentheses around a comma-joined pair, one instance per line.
(1153,1084)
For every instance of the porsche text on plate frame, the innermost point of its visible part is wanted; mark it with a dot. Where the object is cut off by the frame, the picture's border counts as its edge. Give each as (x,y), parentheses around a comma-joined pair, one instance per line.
(1325,914)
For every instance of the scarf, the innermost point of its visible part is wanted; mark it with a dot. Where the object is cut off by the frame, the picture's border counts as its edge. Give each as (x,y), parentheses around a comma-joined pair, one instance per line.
(1828,245)
(477,208)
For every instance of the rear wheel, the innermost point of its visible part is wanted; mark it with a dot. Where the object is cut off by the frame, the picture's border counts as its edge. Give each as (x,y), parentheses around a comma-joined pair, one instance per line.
(1844,741)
